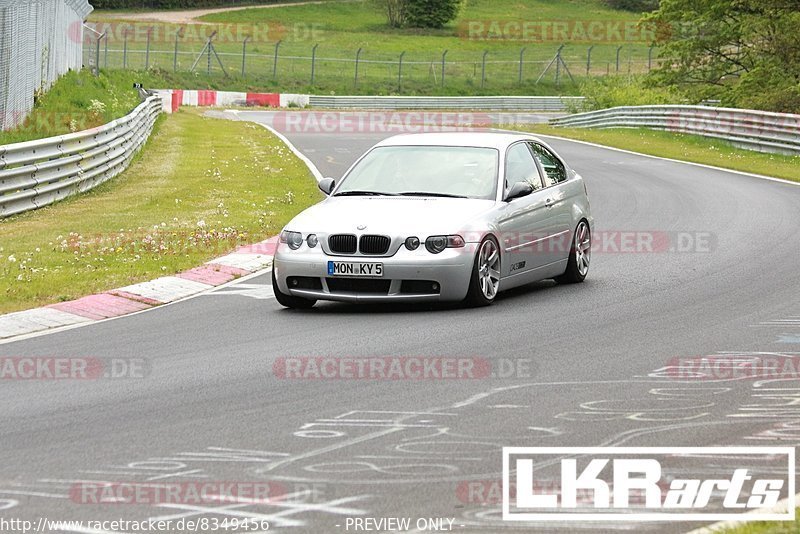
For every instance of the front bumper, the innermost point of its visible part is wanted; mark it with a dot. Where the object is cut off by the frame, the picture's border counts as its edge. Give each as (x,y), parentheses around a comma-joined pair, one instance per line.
(450,270)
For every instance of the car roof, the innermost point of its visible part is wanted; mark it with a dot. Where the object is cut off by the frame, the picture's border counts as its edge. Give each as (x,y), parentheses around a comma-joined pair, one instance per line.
(498,140)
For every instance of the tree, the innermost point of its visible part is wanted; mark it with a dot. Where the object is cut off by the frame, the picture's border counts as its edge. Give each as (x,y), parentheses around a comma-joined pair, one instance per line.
(396,11)
(745,52)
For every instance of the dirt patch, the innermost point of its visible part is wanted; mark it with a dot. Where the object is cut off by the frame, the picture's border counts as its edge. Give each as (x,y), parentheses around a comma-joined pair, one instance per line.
(189,16)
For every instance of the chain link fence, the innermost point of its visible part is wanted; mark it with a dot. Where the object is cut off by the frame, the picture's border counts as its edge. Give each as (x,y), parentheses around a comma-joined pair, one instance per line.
(39,41)
(307,60)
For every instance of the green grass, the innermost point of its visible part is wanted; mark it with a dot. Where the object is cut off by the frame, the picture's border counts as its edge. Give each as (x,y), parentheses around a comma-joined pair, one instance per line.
(340,28)
(71,105)
(766,527)
(682,147)
(200,187)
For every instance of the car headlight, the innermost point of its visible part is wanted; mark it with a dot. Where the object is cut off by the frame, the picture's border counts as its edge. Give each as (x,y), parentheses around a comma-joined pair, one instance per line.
(293,239)
(437,243)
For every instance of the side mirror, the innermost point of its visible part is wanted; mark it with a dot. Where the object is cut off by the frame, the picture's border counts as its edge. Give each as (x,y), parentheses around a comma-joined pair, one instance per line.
(326,185)
(519,189)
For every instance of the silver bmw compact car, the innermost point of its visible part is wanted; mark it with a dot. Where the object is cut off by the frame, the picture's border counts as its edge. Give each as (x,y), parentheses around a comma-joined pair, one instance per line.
(438,217)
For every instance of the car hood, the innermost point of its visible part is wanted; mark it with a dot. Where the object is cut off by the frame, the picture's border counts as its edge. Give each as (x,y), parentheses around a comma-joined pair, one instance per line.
(393,216)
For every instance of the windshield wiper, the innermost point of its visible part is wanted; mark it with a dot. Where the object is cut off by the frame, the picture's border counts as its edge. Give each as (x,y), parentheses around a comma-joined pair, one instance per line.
(364,194)
(428,194)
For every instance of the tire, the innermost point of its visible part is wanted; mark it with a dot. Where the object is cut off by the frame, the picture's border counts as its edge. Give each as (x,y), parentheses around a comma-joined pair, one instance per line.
(484,282)
(290,301)
(580,254)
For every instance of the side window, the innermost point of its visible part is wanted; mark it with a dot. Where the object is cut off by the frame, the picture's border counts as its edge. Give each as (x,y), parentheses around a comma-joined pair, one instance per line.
(520,167)
(554,170)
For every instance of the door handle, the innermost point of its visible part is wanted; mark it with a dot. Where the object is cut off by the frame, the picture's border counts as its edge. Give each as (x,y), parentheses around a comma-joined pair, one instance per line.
(549,203)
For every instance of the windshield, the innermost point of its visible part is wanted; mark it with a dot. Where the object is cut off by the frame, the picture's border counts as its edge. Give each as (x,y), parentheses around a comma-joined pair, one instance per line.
(447,171)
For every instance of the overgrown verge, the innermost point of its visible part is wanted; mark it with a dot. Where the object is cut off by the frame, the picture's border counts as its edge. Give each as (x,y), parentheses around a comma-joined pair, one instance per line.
(79,101)
(201,187)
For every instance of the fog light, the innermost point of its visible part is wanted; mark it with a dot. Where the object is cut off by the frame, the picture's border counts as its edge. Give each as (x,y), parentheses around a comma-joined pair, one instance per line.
(412,243)
(294,281)
(435,286)
(312,240)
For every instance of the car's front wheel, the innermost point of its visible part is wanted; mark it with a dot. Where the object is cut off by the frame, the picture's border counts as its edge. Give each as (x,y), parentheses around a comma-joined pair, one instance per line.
(485,281)
(579,255)
(290,301)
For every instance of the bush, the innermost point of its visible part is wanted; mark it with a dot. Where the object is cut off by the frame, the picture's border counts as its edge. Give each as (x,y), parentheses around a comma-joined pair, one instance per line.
(396,11)
(637,6)
(765,87)
(613,91)
(432,13)
(419,13)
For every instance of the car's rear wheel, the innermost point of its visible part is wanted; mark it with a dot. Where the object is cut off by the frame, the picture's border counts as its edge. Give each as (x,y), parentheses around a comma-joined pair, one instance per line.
(580,255)
(485,281)
(290,301)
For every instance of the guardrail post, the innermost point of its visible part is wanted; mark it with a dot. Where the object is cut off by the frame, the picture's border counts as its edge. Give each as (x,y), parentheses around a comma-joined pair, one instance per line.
(400,71)
(589,59)
(444,55)
(275,61)
(483,68)
(358,56)
(618,49)
(650,58)
(147,52)
(244,55)
(105,57)
(521,54)
(313,61)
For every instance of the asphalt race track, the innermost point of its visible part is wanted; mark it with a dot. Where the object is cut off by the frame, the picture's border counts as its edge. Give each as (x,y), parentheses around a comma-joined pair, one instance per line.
(591,367)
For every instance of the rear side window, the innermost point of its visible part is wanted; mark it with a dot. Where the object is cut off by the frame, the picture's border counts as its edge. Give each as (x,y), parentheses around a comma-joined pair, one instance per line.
(554,170)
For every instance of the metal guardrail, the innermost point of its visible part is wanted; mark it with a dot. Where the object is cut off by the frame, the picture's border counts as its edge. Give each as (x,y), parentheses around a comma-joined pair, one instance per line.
(487,103)
(754,130)
(37,173)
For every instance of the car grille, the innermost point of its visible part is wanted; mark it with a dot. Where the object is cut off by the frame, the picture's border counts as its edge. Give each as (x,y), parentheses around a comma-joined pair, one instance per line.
(373,244)
(358,285)
(342,243)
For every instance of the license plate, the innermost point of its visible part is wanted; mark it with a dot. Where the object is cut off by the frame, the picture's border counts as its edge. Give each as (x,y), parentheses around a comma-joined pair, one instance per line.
(353,268)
